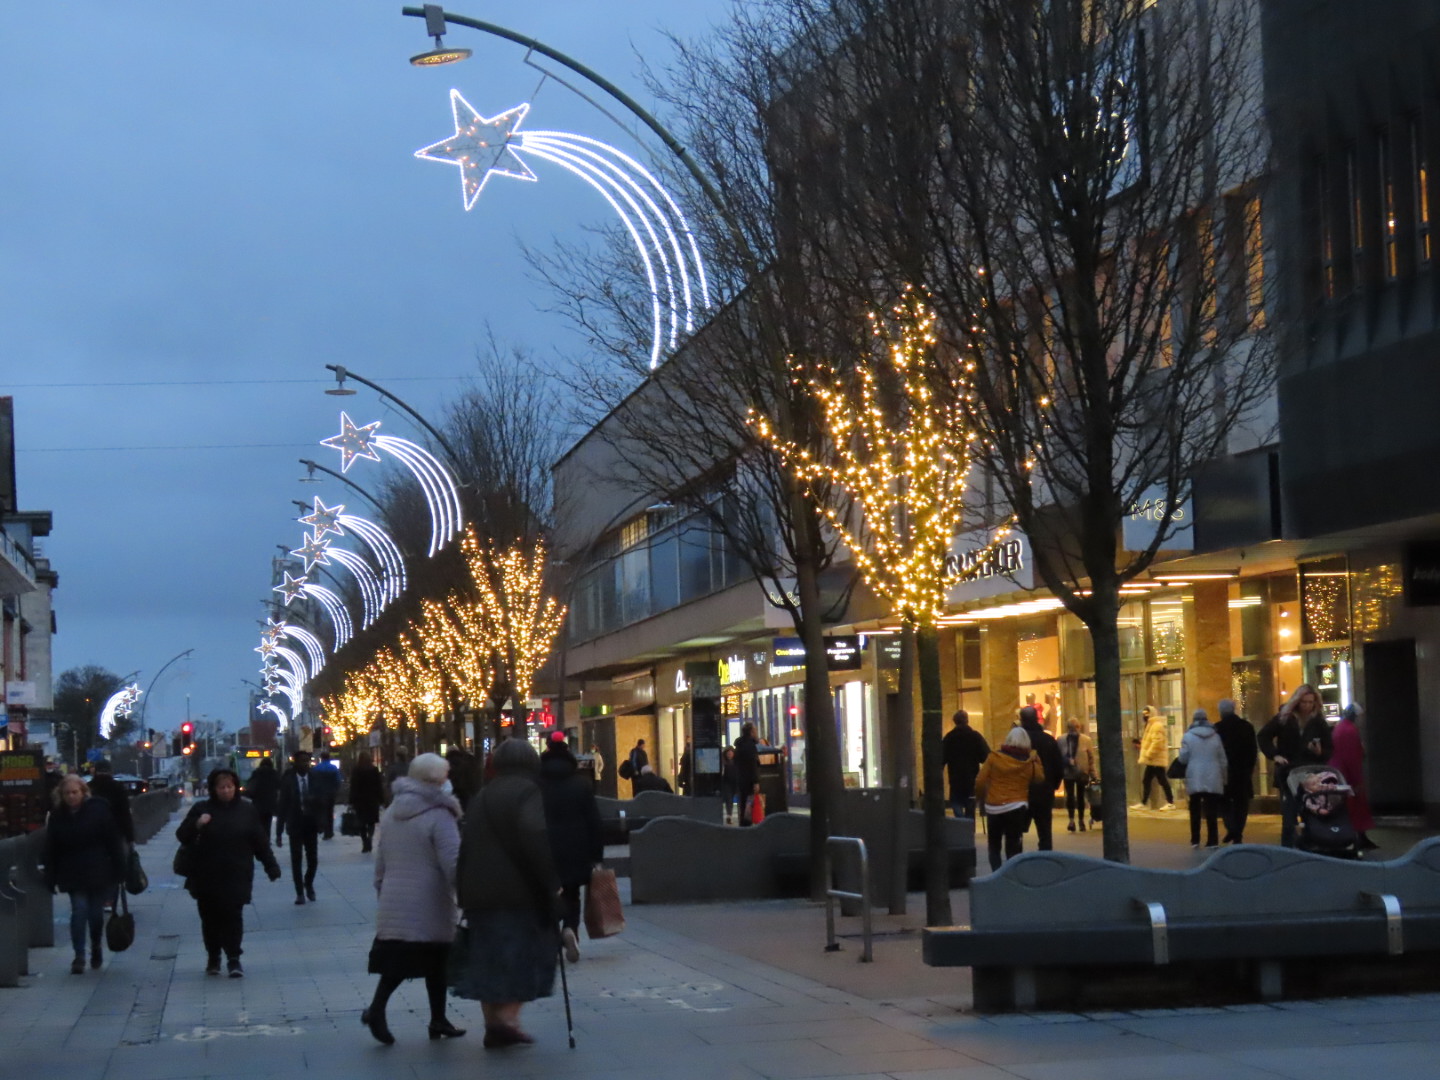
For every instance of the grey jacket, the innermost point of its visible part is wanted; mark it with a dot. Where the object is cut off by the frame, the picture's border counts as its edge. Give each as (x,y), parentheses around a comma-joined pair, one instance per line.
(415,861)
(1204,756)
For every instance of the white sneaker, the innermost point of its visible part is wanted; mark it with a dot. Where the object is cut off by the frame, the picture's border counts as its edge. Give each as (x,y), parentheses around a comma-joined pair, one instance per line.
(572,947)
(1137,806)
(1168,806)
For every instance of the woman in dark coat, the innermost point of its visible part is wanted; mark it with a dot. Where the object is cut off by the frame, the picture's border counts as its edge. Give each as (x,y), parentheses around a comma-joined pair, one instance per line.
(85,857)
(226,838)
(367,794)
(508,892)
(573,821)
(264,791)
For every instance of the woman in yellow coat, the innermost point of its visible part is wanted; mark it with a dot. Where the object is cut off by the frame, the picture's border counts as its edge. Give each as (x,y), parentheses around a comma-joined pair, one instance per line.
(1003,788)
(1155,756)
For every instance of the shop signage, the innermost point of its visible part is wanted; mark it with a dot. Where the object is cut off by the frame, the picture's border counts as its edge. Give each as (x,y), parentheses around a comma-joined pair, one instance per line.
(786,654)
(19,693)
(887,652)
(1147,514)
(732,671)
(980,564)
(681,686)
(842,653)
(1422,574)
(705,725)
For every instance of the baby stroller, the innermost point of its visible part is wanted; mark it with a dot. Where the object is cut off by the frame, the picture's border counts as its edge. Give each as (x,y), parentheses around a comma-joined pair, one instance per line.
(1321,796)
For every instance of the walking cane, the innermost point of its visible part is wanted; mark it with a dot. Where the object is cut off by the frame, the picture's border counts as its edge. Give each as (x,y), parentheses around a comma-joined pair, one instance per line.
(565,991)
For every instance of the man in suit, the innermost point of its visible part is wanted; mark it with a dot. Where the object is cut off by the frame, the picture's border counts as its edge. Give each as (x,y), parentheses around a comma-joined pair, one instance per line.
(302,808)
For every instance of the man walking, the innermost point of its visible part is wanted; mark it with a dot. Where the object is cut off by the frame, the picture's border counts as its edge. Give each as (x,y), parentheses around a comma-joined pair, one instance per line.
(1238,737)
(327,779)
(638,758)
(263,789)
(301,807)
(963,751)
(1042,795)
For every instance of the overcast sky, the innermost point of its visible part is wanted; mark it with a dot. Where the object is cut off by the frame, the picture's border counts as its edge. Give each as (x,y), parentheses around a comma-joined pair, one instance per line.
(204,204)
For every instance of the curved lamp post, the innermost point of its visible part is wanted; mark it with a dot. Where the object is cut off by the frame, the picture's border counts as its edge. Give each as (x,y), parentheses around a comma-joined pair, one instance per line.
(145,702)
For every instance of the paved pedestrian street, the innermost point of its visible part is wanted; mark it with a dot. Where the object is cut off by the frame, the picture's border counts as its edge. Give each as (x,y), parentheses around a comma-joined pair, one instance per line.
(710,991)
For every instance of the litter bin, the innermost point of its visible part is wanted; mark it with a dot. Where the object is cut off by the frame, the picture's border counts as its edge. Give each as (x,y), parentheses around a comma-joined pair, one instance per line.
(772,780)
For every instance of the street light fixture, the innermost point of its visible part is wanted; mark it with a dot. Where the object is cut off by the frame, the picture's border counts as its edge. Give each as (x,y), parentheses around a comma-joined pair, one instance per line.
(435,27)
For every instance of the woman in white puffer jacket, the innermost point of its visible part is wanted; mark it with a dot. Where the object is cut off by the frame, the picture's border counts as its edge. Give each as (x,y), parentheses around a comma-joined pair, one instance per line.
(1203,755)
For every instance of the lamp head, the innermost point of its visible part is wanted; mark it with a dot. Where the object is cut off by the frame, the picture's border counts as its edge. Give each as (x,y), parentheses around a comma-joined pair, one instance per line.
(339,389)
(435,27)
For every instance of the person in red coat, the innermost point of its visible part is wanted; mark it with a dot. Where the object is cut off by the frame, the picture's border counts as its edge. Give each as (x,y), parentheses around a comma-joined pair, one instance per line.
(1349,757)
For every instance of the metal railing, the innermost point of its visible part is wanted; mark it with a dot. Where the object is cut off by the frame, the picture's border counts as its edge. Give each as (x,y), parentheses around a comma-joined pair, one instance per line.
(832,894)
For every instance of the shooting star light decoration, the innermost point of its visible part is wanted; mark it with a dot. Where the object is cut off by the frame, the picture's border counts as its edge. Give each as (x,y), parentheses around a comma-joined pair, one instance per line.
(483,147)
(119,704)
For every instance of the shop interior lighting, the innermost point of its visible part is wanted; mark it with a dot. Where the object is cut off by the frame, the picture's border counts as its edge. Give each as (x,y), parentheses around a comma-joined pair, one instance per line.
(1208,575)
(1247,601)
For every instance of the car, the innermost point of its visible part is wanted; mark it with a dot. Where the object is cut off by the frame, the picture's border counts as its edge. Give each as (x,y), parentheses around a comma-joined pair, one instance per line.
(158,783)
(135,785)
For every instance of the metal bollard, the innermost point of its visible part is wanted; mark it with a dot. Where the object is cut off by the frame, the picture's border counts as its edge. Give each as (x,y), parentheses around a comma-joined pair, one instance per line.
(39,901)
(832,894)
(13,961)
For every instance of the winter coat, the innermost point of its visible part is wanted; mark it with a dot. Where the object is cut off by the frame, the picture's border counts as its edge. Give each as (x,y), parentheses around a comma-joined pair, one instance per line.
(1204,757)
(1078,751)
(505,861)
(962,751)
(747,764)
(415,860)
(1349,757)
(264,789)
(84,850)
(105,786)
(1284,737)
(1006,777)
(1044,744)
(572,817)
(651,781)
(367,793)
(1155,743)
(225,849)
(1238,738)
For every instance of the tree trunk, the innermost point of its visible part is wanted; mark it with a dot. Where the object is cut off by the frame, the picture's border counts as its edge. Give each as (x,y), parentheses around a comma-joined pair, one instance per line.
(937,860)
(902,770)
(1105,637)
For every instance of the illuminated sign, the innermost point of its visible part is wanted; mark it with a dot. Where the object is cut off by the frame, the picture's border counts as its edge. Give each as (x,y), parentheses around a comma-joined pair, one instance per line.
(842,653)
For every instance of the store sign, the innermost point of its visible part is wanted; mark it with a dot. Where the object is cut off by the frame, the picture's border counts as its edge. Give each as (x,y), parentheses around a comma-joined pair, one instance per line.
(842,653)
(681,686)
(887,652)
(1148,514)
(981,565)
(19,693)
(786,654)
(732,671)
(1422,574)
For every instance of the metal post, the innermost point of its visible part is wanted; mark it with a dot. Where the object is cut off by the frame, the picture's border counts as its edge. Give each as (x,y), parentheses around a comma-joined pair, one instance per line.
(832,894)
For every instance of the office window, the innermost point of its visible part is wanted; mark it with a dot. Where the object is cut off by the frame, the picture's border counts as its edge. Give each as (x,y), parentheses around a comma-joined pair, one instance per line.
(1389,226)
(1328,283)
(1422,194)
(1355,208)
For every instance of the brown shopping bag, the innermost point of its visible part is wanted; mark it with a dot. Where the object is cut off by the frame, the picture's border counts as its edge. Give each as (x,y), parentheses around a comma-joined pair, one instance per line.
(603,917)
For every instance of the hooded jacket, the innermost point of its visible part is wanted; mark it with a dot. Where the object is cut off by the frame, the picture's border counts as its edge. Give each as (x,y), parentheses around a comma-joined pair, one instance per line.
(1154,745)
(415,860)
(571,817)
(1006,776)
(1204,757)
(226,849)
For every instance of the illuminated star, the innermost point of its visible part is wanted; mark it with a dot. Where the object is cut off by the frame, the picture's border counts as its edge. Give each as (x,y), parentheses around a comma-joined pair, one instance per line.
(480,147)
(266,647)
(275,628)
(324,519)
(353,442)
(292,586)
(313,551)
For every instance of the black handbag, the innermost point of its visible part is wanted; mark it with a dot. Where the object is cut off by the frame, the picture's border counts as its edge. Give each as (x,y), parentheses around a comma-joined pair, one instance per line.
(1176,771)
(136,880)
(184,863)
(120,928)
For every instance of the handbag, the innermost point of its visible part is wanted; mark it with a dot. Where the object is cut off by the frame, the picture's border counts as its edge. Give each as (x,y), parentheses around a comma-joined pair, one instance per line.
(184,862)
(603,914)
(120,927)
(136,880)
(1176,771)
(349,822)
(1094,795)
(458,958)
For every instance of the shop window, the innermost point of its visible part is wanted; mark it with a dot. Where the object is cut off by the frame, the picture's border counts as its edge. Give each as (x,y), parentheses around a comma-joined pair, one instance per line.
(1131,622)
(1376,595)
(1325,601)
(1167,631)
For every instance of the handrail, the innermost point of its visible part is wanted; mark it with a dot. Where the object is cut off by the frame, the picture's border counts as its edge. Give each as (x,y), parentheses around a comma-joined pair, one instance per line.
(832,893)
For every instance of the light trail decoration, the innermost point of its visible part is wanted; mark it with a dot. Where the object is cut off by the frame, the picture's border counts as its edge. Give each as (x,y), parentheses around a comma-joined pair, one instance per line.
(311,644)
(279,713)
(442,495)
(335,608)
(119,705)
(482,147)
(371,598)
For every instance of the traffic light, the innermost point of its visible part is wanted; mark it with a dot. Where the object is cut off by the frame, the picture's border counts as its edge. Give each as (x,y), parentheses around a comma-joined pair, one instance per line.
(187,736)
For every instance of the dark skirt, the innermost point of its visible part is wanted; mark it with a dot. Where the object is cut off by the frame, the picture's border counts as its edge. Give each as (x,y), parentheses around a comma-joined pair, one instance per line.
(509,956)
(408,959)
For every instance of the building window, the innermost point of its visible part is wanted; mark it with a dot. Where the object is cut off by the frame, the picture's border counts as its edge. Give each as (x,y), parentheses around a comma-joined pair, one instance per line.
(1357,220)
(1422,194)
(1328,289)
(1245,261)
(1389,226)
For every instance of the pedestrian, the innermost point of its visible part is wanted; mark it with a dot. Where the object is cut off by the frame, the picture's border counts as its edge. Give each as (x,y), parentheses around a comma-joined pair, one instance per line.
(464,775)
(227,837)
(572,820)
(263,790)
(1203,755)
(103,785)
(747,770)
(1155,757)
(367,792)
(963,751)
(85,858)
(396,769)
(327,780)
(1077,751)
(1297,735)
(729,786)
(509,893)
(415,881)
(638,758)
(1003,787)
(685,771)
(650,780)
(1042,793)
(302,808)
(598,763)
(1349,757)
(1238,737)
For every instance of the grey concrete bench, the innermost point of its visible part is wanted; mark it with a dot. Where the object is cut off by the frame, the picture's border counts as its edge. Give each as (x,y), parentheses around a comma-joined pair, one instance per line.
(1051,930)
(152,810)
(676,858)
(620,817)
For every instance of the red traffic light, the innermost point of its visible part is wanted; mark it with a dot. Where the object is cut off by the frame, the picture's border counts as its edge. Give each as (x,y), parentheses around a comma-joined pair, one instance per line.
(187,727)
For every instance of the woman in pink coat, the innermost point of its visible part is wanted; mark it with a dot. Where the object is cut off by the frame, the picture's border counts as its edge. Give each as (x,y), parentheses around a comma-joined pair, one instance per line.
(1349,757)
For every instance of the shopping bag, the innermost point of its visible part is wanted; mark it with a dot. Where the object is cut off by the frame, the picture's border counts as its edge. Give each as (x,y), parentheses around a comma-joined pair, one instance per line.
(1176,771)
(120,927)
(136,880)
(1094,795)
(603,916)
(757,809)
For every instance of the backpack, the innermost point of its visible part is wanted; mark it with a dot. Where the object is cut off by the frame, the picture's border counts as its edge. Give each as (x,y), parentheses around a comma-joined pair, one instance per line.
(626,770)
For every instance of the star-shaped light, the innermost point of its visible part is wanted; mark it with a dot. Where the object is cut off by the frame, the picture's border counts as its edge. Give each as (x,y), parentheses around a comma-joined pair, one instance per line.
(480,147)
(324,519)
(353,442)
(292,586)
(266,646)
(312,551)
(275,628)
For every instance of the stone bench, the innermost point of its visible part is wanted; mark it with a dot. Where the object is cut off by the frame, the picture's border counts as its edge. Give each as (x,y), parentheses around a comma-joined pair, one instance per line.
(676,858)
(620,817)
(1059,931)
(151,811)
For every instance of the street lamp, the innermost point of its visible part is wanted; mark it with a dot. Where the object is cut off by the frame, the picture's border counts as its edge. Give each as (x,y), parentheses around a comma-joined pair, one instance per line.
(342,373)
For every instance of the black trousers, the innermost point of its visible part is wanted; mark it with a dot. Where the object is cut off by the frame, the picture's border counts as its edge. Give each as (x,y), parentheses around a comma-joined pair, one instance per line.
(222,925)
(1042,805)
(1075,797)
(306,837)
(1007,828)
(1207,803)
(570,907)
(367,832)
(1152,774)
(265,820)
(1235,809)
